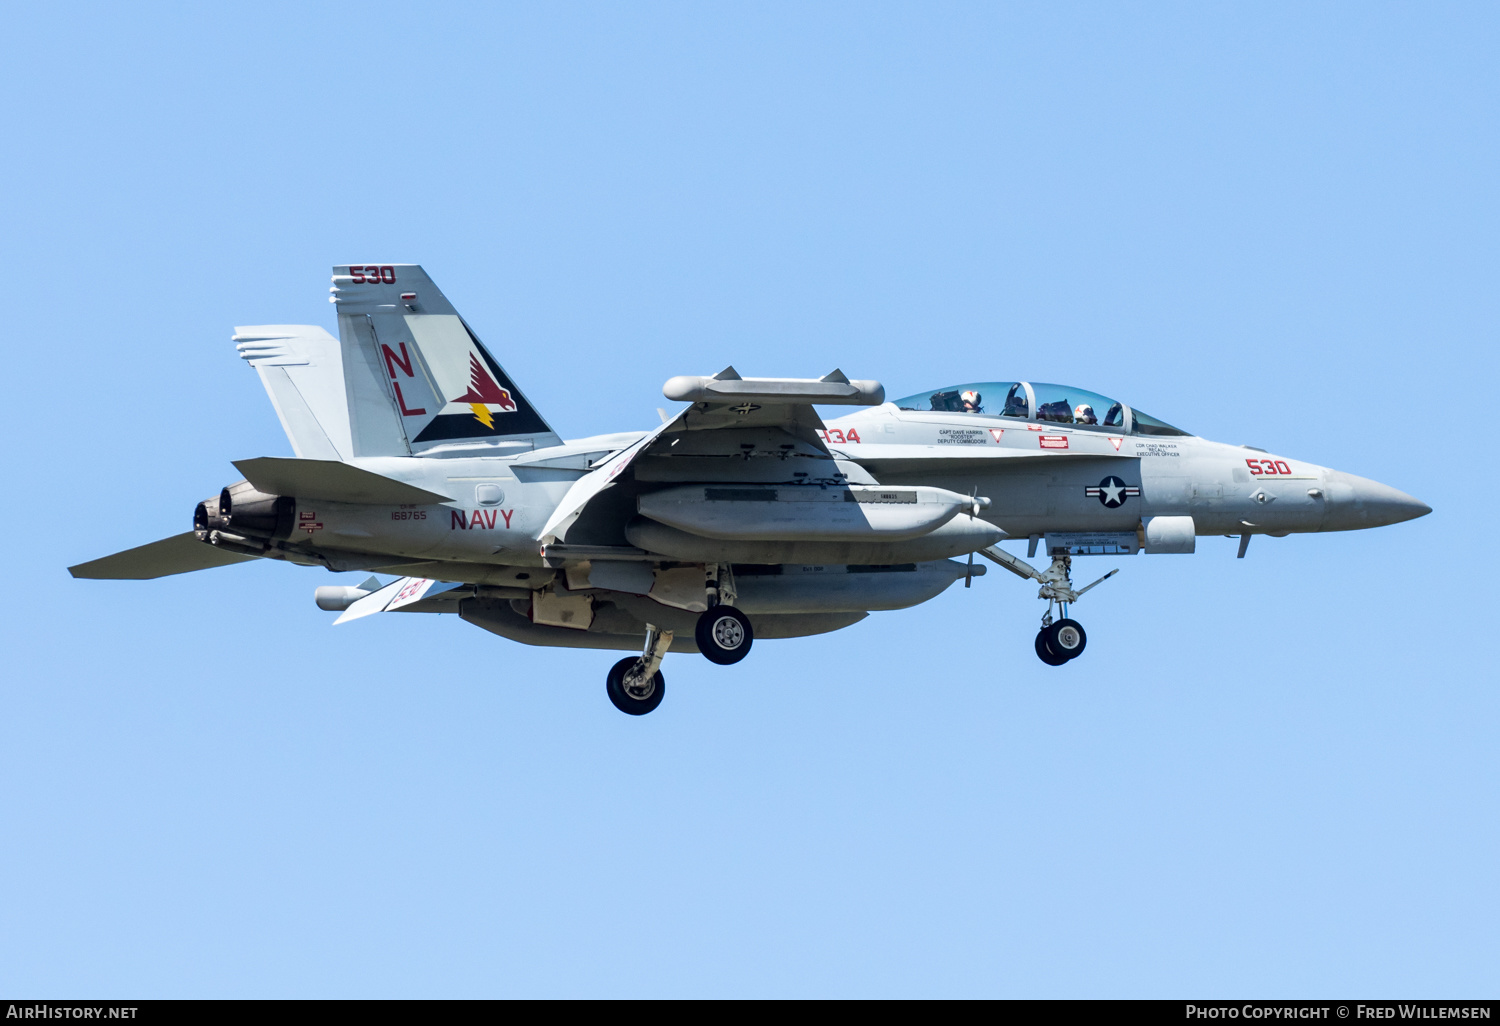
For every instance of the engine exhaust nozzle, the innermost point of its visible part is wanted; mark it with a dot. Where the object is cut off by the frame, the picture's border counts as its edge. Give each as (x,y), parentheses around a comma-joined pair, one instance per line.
(206,518)
(254,514)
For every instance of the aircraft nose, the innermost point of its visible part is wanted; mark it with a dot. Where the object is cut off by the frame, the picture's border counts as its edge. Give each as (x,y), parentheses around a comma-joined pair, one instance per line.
(1356,502)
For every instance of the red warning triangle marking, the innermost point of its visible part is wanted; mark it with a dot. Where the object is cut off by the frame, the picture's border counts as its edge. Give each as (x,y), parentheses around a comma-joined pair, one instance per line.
(1115,442)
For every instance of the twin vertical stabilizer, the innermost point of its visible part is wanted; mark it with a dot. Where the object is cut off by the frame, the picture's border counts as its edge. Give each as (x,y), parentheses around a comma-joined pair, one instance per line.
(406,376)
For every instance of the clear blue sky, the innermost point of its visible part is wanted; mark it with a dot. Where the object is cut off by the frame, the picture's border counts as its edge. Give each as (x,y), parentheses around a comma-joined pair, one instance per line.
(1272,224)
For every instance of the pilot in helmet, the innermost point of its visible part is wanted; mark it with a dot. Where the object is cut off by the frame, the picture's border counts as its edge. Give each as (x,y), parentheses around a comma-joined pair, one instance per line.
(970,401)
(1084,414)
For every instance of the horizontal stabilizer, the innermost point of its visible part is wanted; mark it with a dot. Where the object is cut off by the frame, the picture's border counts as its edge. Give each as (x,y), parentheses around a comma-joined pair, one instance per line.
(406,593)
(179,554)
(330,480)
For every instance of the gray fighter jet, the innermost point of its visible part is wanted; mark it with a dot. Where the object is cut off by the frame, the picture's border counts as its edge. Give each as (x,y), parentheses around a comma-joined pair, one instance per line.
(745,515)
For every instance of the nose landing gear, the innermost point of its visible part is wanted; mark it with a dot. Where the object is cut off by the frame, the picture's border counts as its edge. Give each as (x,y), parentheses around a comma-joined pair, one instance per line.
(1058,642)
(1064,639)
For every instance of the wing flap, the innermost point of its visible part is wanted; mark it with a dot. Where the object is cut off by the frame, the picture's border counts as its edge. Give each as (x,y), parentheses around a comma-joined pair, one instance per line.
(179,554)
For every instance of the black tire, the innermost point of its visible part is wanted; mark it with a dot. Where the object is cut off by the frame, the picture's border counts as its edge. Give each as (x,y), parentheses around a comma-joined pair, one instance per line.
(724,635)
(629,700)
(1067,638)
(1044,653)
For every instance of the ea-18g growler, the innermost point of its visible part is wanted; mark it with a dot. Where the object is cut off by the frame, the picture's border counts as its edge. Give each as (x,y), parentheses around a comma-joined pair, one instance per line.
(745,515)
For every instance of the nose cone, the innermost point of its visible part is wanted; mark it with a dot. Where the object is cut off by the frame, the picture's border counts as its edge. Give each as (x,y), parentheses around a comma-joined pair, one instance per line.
(1356,502)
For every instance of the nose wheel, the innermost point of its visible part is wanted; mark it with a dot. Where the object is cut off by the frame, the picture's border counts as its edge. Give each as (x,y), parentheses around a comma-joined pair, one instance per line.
(1059,642)
(1064,639)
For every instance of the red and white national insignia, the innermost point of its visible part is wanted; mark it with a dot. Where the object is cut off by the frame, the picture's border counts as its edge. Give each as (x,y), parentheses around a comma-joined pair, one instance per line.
(1053,441)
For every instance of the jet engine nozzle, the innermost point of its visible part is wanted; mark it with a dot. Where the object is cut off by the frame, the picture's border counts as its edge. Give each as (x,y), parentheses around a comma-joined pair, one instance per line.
(206,518)
(254,514)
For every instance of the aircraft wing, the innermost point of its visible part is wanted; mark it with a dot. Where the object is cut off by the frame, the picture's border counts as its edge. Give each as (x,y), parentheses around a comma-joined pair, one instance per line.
(594,482)
(179,554)
(730,415)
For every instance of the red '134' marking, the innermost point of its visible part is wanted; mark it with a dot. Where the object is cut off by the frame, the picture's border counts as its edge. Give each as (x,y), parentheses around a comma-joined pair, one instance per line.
(839,437)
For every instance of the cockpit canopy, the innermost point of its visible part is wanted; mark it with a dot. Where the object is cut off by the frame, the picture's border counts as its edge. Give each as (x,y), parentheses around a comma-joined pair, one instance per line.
(1039,401)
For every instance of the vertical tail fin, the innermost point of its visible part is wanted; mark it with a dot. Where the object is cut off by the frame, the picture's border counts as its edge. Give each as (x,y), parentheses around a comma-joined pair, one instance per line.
(416,376)
(303,372)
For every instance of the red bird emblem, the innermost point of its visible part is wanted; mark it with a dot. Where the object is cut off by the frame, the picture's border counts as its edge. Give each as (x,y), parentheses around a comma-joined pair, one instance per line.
(483,393)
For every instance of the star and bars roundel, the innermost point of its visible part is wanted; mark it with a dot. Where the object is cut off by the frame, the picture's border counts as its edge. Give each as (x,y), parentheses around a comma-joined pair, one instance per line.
(1112,492)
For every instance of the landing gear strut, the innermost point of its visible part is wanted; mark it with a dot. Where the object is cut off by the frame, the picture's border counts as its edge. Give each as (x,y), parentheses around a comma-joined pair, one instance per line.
(1061,639)
(723,632)
(635,684)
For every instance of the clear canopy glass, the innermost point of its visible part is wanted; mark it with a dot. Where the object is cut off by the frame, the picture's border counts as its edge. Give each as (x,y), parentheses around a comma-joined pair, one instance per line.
(1056,404)
(1063,404)
(1145,424)
(993,398)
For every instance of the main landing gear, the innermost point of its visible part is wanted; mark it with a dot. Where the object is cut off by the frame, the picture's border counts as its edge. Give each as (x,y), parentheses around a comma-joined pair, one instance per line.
(635,684)
(723,633)
(1061,639)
